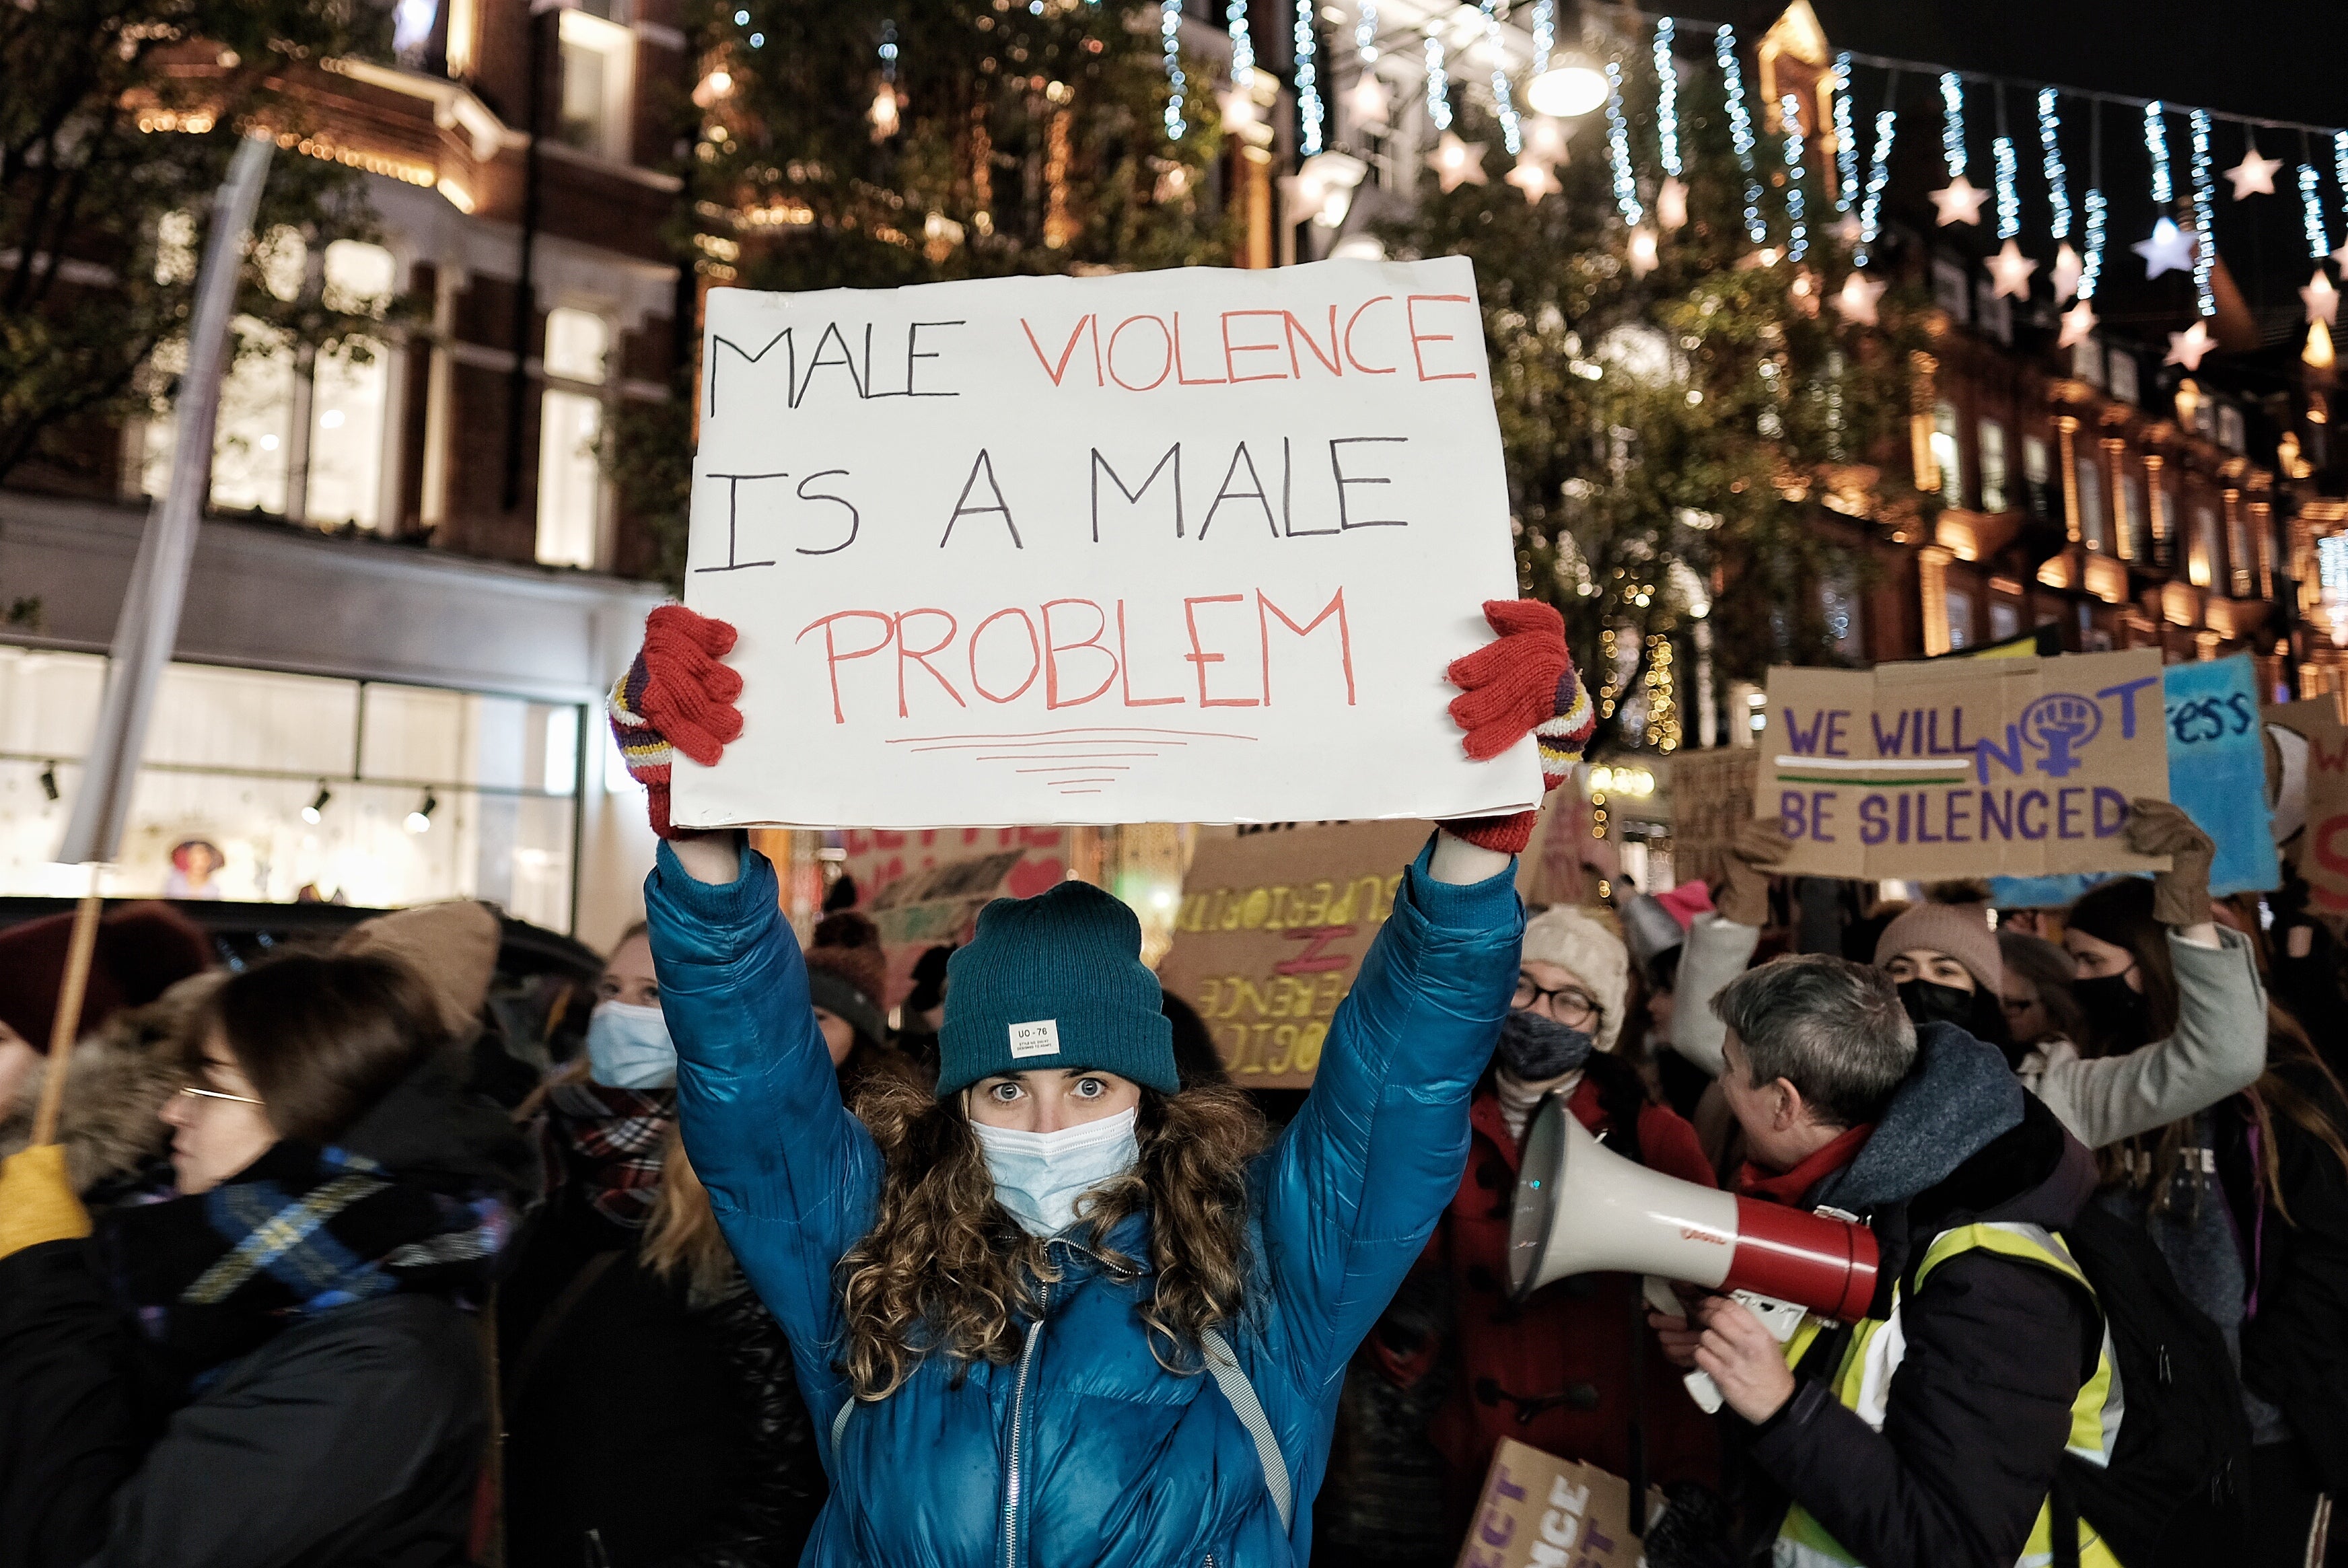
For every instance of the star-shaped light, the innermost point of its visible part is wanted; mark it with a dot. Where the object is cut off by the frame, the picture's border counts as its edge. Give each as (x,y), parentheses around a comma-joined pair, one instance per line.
(2170,249)
(1643,250)
(1545,140)
(2253,176)
(2187,347)
(1857,301)
(1958,202)
(2068,270)
(1850,231)
(2011,270)
(2077,323)
(1365,100)
(1671,204)
(1457,162)
(1532,176)
(2322,301)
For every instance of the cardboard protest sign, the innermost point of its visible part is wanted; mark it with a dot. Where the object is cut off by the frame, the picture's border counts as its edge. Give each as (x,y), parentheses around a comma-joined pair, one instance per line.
(1271,935)
(1190,546)
(1711,792)
(1542,1512)
(2217,768)
(925,888)
(2017,766)
(2319,853)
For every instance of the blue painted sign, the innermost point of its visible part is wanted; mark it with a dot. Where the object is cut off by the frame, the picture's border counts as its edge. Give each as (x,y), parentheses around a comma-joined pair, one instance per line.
(2217,768)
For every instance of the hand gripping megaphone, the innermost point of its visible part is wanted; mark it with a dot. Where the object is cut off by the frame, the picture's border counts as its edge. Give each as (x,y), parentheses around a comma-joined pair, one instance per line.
(1583,1209)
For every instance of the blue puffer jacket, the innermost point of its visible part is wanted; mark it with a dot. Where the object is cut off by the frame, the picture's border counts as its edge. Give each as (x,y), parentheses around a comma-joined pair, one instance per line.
(1083,1451)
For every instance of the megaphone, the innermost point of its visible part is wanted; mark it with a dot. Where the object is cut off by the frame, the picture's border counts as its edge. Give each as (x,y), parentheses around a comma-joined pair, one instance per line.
(1582,1209)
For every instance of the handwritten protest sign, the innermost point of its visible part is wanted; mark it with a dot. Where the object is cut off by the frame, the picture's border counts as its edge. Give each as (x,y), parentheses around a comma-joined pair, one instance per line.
(1711,792)
(1189,545)
(2217,768)
(926,888)
(1271,935)
(1964,768)
(2319,853)
(1542,1512)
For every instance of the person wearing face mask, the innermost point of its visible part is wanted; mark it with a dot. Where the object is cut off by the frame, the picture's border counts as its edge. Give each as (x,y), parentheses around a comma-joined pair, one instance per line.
(278,1365)
(1063,1310)
(1943,959)
(1565,1370)
(2246,1196)
(649,1411)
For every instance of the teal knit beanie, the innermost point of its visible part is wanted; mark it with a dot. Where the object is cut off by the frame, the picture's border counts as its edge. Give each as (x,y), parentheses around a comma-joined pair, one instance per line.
(1052,982)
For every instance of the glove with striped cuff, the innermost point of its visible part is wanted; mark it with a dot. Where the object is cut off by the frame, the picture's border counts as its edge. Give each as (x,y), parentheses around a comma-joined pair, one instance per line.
(675,697)
(1522,682)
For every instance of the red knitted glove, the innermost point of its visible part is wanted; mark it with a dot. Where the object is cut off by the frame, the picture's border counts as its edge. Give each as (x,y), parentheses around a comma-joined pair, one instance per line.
(1521,682)
(678,695)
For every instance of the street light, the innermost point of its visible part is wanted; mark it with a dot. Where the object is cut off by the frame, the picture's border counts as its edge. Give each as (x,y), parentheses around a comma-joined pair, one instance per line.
(420,820)
(317,806)
(1570,87)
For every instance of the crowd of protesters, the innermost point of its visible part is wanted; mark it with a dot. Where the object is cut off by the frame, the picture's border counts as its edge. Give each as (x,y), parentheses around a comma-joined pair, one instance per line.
(329,1265)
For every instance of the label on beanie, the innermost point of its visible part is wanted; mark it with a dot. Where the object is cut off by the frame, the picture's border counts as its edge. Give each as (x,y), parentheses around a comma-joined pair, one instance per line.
(1040,1038)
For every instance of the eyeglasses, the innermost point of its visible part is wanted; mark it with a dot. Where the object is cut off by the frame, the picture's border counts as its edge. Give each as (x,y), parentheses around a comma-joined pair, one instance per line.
(1568,1005)
(217,1094)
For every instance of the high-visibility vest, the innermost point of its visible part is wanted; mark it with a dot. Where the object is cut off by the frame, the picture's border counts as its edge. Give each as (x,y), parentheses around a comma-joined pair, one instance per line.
(1863,1384)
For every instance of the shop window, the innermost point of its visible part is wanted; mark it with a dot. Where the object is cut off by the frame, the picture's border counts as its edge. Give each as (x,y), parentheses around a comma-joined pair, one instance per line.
(570,420)
(234,756)
(1947,455)
(1991,438)
(598,76)
(2091,503)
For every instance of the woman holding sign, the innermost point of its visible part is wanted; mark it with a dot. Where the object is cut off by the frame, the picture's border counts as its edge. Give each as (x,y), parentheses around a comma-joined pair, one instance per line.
(1066,1311)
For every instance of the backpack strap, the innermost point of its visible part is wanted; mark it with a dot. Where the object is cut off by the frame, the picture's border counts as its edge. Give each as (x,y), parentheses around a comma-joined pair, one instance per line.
(1240,1394)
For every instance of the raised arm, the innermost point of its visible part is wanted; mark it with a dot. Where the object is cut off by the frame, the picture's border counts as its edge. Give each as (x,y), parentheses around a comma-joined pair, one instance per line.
(792,1176)
(2220,1046)
(1359,1179)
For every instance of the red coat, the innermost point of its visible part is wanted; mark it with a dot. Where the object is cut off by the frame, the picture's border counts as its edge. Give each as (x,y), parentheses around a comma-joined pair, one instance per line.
(1570,1343)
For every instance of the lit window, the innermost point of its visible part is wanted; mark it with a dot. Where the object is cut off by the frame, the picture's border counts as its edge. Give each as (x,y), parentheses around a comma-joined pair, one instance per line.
(598,76)
(2091,503)
(1960,620)
(348,392)
(2087,361)
(2230,427)
(2202,568)
(1992,466)
(2124,381)
(252,443)
(570,420)
(2004,620)
(1946,455)
(2139,529)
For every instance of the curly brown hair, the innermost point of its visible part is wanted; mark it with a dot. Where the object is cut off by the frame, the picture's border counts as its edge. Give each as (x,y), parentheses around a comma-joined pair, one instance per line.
(946,1269)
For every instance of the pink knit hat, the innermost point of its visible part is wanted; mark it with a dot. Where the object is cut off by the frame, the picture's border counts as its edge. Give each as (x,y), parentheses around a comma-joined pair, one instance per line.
(1960,930)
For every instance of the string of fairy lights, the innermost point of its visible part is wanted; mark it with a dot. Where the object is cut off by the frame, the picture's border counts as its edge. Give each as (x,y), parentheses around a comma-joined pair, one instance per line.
(2184,223)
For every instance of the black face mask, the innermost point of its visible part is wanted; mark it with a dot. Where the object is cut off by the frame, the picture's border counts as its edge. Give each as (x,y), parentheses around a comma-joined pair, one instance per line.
(2114,1010)
(1534,1048)
(1929,1002)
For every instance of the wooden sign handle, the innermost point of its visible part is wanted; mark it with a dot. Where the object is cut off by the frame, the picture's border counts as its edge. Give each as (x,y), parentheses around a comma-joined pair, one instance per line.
(66,1027)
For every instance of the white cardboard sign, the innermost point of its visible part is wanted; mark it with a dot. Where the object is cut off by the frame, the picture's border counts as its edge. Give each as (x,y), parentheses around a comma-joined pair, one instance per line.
(1178,546)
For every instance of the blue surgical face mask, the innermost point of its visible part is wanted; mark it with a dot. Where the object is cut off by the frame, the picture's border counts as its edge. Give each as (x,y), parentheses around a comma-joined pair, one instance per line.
(1039,1176)
(628,1047)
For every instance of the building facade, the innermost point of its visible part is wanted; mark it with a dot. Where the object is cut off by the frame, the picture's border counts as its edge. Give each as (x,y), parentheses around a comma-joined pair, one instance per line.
(415,583)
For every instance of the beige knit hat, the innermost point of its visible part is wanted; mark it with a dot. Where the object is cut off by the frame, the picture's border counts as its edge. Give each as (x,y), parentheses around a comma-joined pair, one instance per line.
(1578,942)
(1960,930)
(452,946)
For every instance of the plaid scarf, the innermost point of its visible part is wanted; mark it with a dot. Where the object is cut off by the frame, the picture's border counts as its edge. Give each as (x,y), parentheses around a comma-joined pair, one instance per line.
(298,1233)
(606,1142)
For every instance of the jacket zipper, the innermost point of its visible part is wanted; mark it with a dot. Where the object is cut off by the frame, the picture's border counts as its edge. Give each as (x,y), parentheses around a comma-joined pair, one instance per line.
(1018,1422)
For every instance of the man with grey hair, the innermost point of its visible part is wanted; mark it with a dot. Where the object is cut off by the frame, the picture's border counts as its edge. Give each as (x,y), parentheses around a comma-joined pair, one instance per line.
(1930,1432)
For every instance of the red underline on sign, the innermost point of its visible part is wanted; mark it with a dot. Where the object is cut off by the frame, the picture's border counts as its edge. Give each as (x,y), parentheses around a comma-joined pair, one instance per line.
(1079,791)
(1072,740)
(1111,767)
(1089,730)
